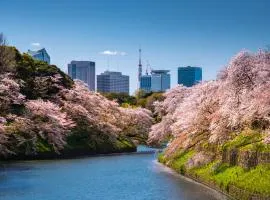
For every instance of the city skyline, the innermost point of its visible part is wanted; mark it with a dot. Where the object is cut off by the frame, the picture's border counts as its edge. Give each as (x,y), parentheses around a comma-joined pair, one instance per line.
(189,75)
(85,71)
(113,82)
(110,33)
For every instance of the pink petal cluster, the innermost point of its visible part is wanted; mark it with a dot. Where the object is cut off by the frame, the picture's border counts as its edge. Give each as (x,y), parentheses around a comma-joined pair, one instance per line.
(103,114)
(239,98)
(9,92)
(51,122)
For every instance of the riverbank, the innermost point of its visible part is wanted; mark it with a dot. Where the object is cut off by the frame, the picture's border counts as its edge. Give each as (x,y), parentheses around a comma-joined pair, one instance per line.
(220,195)
(234,181)
(120,146)
(239,169)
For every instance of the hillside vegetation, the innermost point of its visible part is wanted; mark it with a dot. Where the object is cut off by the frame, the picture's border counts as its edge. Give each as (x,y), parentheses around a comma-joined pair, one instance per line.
(218,132)
(45,114)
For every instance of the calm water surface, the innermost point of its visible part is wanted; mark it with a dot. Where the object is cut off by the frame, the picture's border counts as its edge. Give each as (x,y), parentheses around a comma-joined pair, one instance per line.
(131,177)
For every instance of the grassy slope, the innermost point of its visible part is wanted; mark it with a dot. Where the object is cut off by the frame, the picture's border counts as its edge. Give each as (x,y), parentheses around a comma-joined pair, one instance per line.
(255,180)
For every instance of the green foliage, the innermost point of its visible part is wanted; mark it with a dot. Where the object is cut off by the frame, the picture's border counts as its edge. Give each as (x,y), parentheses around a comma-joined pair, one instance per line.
(29,69)
(141,99)
(161,158)
(139,94)
(146,100)
(124,142)
(179,162)
(121,98)
(255,180)
(43,146)
(8,56)
(248,140)
(96,142)
(80,139)
(126,105)
(256,146)
(141,102)
(152,98)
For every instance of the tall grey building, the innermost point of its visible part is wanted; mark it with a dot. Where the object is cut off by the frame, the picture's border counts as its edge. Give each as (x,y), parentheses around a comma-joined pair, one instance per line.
(83,70)
(189,76)
(114,82)
(160,80)
(41,55)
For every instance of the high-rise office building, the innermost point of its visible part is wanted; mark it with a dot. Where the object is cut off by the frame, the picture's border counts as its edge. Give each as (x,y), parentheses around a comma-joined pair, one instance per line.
(41,55)
(157,81)
(114,82)
(83,70)
(189,76)
(160,80)
(145,83)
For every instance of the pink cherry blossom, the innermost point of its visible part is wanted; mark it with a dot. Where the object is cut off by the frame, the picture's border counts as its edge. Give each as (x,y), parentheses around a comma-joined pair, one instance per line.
(238,99)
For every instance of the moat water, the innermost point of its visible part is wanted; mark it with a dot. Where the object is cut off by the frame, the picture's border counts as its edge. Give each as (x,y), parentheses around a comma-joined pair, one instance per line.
(118,177)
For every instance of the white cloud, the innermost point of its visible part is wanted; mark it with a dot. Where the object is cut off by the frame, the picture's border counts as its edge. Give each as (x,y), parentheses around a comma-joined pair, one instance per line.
(36,44)
(113,53)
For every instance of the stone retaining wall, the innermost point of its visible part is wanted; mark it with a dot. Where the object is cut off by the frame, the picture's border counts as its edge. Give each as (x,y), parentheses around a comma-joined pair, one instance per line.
(245,159)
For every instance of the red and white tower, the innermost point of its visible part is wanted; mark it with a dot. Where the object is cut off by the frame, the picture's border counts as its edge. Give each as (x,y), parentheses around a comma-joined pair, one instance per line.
(139,68)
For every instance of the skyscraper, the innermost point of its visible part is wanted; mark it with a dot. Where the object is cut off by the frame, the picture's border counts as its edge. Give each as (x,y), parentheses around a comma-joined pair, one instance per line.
(145,83)
(160,80)
(189,76)
(115,82)
(83,70)
(41,55)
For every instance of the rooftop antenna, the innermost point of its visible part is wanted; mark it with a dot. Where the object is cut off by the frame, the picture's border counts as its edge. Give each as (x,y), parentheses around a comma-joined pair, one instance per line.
(140,67)
(151,69)
(147,67)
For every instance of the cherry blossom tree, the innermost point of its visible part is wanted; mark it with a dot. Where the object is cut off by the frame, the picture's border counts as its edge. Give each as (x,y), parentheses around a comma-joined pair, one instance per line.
(166,109)
(97,110)
(102,114)
(210,111)
(136,122)
(9,92)
(51,123)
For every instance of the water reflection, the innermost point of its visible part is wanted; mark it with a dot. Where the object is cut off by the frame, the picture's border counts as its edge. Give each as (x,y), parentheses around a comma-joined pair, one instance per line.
(131,177)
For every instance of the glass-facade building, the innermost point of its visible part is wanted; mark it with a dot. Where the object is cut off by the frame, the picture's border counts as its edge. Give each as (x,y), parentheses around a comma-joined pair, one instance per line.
(113,82)
(145,83)
(41,55)
(84,71)
(160,80)
(189,76)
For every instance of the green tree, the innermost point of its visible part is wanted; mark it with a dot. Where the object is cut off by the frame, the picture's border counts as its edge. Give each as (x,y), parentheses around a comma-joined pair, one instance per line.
(7,56)
(121,98)
(38,77)
(149,104)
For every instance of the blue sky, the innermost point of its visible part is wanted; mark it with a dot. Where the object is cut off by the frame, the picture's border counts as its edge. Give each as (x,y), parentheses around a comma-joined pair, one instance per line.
(171,33)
